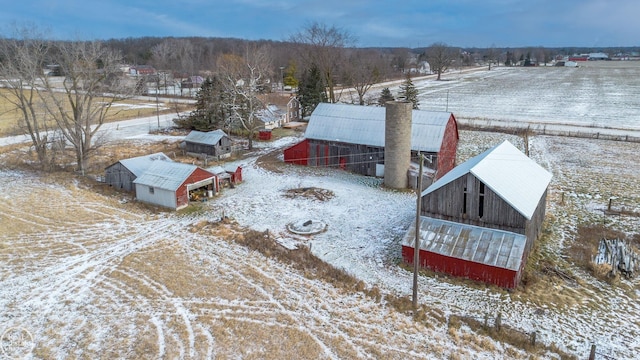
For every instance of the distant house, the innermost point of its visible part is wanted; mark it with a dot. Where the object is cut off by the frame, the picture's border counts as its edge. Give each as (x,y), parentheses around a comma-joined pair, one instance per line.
(212,143)
(352,137)
(173,184)
(140,70)
(192,82)
(293,110)
(480,220)
(122,173)
(271,117)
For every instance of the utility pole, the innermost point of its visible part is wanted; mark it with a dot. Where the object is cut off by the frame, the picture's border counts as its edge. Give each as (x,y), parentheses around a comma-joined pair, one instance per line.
(416,247)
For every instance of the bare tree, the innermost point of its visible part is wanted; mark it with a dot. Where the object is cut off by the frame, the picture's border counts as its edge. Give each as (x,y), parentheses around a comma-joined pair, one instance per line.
(324,47)
(440,57)
(243,77)
(175,54)
(21,70)
(80,103)
(491,55)
(362,70)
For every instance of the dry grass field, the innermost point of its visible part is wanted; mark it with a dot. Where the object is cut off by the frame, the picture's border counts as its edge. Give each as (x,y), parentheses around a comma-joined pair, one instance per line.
(120,110)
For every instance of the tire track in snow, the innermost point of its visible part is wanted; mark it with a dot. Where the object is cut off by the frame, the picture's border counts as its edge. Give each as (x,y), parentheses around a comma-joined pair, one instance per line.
(82,271)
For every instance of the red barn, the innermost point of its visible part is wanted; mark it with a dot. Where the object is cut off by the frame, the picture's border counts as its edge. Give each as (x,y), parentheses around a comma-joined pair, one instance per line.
(352,137)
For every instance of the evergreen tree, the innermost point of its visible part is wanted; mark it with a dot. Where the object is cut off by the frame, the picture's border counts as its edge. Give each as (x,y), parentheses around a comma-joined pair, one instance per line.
(210,111)
(312,90)
(409,92)
(385,96)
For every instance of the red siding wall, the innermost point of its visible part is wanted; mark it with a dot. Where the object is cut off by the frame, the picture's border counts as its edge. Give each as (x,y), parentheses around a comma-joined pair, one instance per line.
(236,176)
(182,195)
(449,148)
(463,268)
(298,153)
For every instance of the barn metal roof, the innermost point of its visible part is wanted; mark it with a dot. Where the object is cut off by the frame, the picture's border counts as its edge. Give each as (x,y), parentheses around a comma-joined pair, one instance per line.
(166,175)
(138,165)
(365,125)
(486,246)
(508,172)
(206,138)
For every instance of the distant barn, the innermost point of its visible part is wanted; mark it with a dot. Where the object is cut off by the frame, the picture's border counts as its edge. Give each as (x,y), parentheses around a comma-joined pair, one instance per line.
(212,143)
(352,138)
(121,174)
(480,219)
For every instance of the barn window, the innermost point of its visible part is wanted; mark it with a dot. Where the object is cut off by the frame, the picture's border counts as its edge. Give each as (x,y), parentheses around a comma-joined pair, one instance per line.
(464,202)
(481,201)
(151,190)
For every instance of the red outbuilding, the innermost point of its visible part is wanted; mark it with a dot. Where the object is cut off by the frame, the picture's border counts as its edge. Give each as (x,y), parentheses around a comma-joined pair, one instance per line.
(173,184)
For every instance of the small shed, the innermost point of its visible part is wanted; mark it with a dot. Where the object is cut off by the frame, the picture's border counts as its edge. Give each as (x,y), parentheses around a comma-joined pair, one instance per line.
(352,137)
(227,176)
(192,82)
(264,134)
(121,174)
(173,184)
(212,143)
(473,252)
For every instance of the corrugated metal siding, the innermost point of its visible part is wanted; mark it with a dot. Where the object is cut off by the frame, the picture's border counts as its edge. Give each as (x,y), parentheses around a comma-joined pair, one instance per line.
(491,247)
(140,164)
(161,197)
(463,268)
(167,176)
(477,253)
(298,153)
(365,125)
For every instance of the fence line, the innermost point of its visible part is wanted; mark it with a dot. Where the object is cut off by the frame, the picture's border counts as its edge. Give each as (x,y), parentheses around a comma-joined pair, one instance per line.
(579,131)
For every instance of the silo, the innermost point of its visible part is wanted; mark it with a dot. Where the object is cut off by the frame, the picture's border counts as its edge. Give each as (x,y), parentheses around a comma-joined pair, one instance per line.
(397,143)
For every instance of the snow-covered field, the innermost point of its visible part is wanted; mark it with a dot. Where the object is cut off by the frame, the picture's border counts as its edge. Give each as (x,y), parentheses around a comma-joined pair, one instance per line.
(84,275)
(598,93)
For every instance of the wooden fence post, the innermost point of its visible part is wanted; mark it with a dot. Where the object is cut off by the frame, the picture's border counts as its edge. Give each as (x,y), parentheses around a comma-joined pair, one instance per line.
(592,354)
(498,324)
(533,338)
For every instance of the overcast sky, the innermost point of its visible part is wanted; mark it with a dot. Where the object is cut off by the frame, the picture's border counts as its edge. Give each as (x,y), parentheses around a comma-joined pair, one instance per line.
(405,23)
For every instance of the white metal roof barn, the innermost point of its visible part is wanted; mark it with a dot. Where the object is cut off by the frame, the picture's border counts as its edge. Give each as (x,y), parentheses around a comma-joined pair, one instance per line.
(365,125)
(481,218)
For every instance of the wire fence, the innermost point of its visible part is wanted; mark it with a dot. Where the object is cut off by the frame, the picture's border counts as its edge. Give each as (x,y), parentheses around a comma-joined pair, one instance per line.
(569,130)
